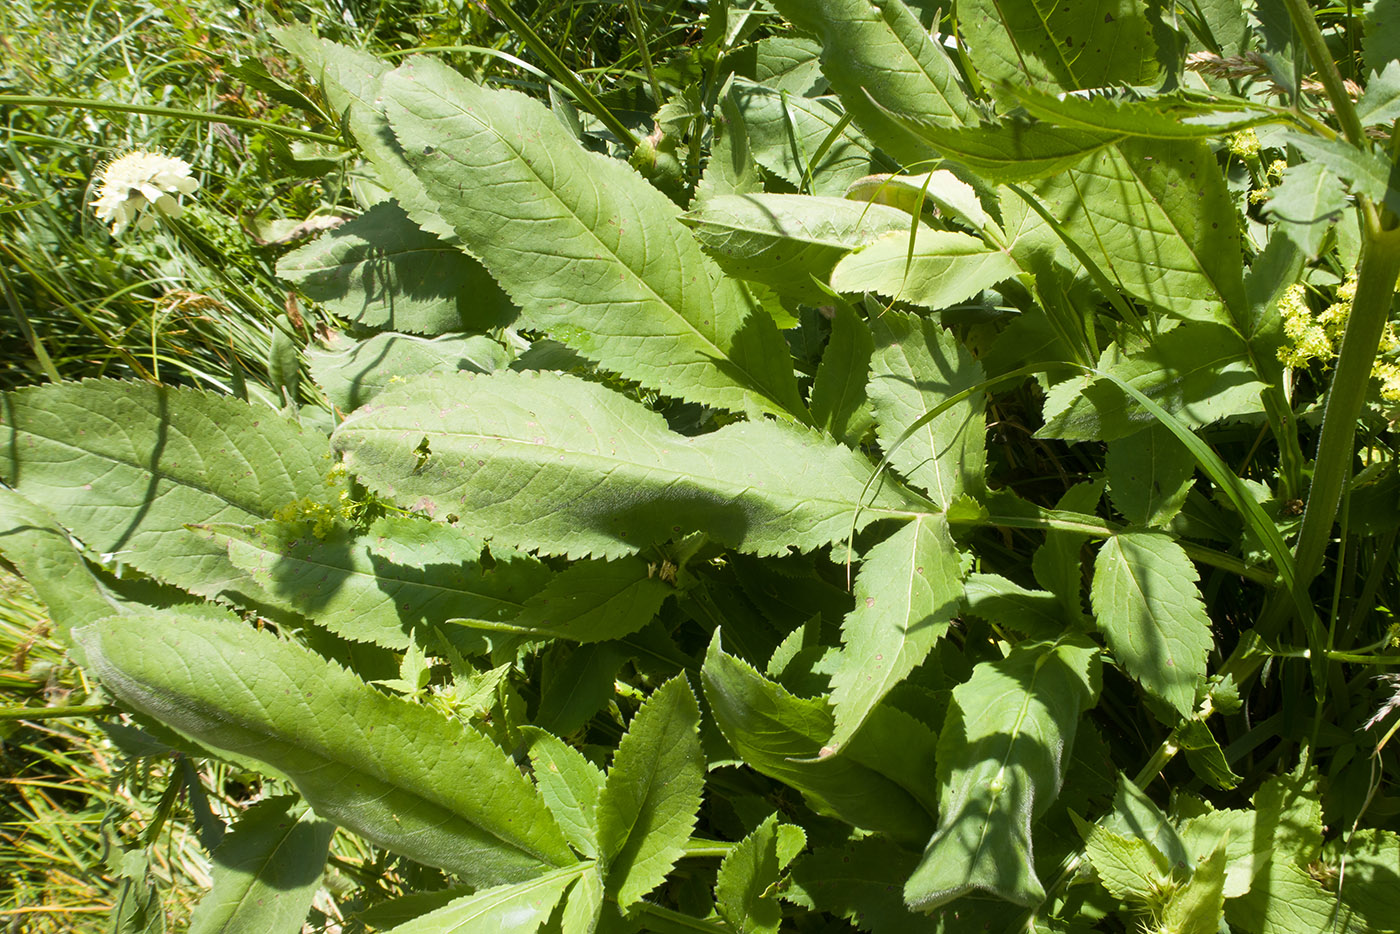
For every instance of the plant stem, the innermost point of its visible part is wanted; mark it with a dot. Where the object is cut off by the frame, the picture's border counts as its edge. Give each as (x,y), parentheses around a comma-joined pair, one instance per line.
(1306,26)
(9,714)
(179,113)
(27,329)
(697,848)
(666,921)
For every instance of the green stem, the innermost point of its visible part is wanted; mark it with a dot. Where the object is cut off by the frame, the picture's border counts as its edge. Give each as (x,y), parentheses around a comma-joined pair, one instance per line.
(27,329)
(8,714)
(697,848)
(555,64)
(1306,26)
(179,113)
(639,29)
(666,921)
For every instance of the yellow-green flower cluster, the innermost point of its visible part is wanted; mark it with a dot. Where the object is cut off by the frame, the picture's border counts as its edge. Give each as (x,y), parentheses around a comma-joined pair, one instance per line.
(320,517)
(1318,338)
(1307,340)
(1244,144)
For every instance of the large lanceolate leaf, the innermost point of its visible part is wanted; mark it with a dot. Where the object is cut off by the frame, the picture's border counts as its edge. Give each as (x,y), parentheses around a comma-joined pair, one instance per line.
(1013,151)
(784,737)
(400,576)
(381,271)
(941,268)
(1062,46)
(908,588)
(353,372)
(917,366)
(397,773)
(589,250)
(647,807)
(593,601)
(541,460)
(784,241)
(1151,615)
(126,465)
(506,909)
(266,871)
(879,58)
(1001,760)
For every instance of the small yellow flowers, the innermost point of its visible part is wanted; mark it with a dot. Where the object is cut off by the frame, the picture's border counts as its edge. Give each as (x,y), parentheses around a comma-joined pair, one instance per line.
(128,186)
(1307,341)
(1244,144)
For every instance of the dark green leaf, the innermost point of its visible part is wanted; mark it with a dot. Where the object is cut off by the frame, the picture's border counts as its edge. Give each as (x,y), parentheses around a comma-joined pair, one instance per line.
(352,373)
(746,890)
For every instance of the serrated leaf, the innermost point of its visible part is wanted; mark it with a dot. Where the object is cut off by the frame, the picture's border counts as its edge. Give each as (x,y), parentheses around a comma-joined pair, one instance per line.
(508,909)
(541,460)
(1197,906)
(266,871)
(784,241)
(403,575)
(570,785)
(353,372)
(1286,836)
(1001,759)
(857,882)
(1150,474)
(780,734)
(127,464)
(399,774)
(942,268)
(1204,755)
(788,133)
(1380,103)
(647,807)
(584,908)
(1370,860)
(1160,117)
(573,690)
(1057,564)
(788,63)
(1012,151)
(918,365)
(911,193)
(1033,613)
(907,591)
(1366,170)
(731,169)
(1134,814)
(1127,866)
(1151,614)
(1306,203)
(746,889)
(622,282)
(839,403)
(381,271)
(880,58)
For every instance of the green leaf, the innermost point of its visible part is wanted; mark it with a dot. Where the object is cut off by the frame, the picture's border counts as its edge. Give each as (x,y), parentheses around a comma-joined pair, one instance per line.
(917,365)
(941,268)
(1306,204)
(1033,613)
(570,785)
(839,403)
(731,169)
(1001,759)
(1059,46)
(1366,170)
(1197,906)
(1152,616)
(1371,860)
(1198,372)
(403,575)
(1286,836)
(583,911)
(591,601)
(806,141)
(381,271)
(1012,151)
(1380,103)
(1127,866)
(508,909)
(47,558)
(352,375)
(911,193)
(1134,814)
(746,890)
(399,774)
(622,281)
(266,871)
(880,58)
(647,807)
(780,734)
(1057,564)
(857,882)
(784,241)
(907,591)
(1204,754)
(1162,117)
(788,63)
(1382,42)
(1150,474)
(573,690)
(128,464)
(541,460)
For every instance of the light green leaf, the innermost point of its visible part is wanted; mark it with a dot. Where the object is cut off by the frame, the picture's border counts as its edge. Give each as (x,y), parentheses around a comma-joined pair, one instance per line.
(1306,204)
(1057,564)
(917,365)
(857,882)
(541,460)
(1204,754)
(1197,906)
(1287,836)
(128,464)
(265,872)
(403,575)
(1012,151)
(788,133)
(1234,829)
(880,58)
(1152,616)
(1002,756)
(1370,862)
(1149,475)
(907,591)
(912,193)
(1134,814)
(1034,613)
(746,890)
(506,909)
(731,169)
(570,785)
(1380,103)
(780,734)
(1162,117)
(353,372)
(584,908)
(1127,866)
(647,807)
(784,241)
(399,774)
(621,282)
(838,400)
(381,271)
(1382,42)
(941,269)
(1366,170)
(788,63)
(1059,46)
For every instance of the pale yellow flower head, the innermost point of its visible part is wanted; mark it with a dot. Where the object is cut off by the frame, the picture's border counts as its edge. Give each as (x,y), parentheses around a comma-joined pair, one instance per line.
(129,186)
